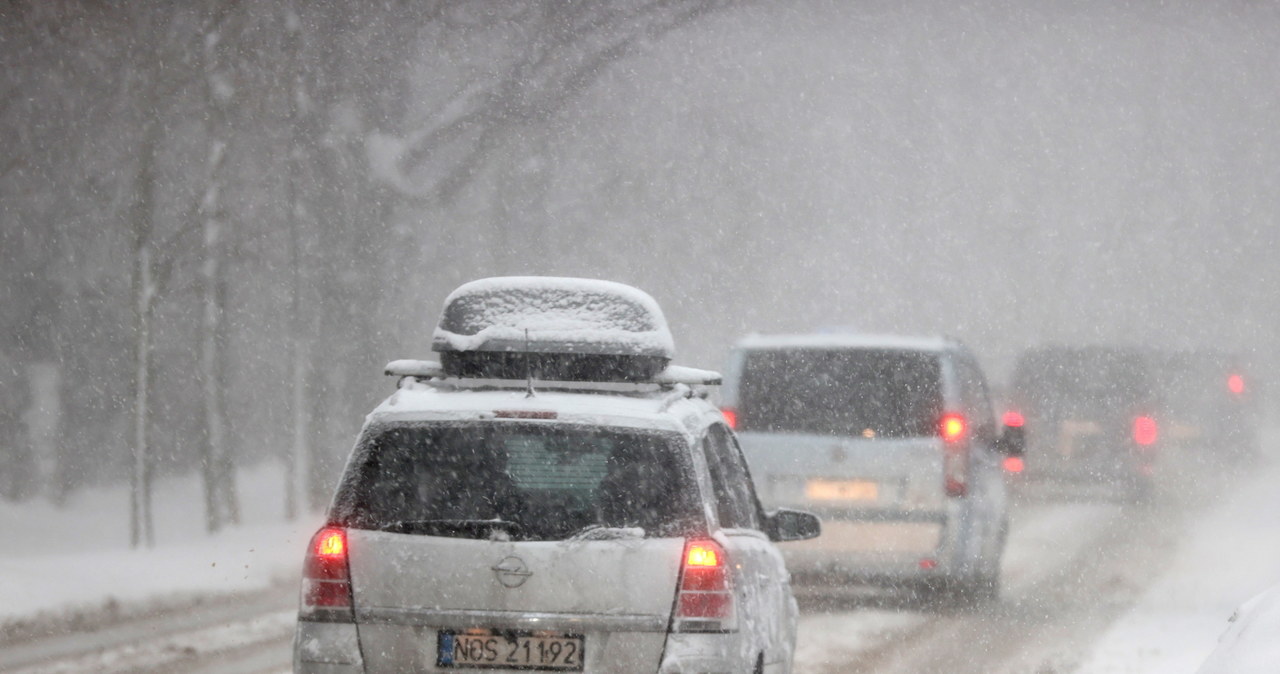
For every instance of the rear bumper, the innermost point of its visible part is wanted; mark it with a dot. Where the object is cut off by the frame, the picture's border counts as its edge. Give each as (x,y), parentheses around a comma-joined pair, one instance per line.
(326,648)
(876,551)
(323,668)
(707,654)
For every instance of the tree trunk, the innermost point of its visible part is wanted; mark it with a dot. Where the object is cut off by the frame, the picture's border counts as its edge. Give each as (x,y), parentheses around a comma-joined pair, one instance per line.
(141,531)
(296,459)
(218,465)
(211,318)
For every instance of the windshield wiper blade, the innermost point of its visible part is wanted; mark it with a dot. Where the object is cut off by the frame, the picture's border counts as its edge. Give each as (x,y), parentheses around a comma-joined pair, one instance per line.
(454,527)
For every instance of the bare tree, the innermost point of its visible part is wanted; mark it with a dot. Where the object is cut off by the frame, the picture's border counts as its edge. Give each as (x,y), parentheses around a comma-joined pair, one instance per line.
(569,47)
(217,463)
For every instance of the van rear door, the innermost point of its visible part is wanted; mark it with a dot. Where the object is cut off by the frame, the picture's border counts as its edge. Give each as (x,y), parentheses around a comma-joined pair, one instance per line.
(851,434)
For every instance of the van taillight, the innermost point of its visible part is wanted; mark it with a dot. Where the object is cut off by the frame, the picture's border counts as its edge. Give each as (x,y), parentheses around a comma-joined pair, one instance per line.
(952,427)
(704,602)
(730,417)
(1145,431)
(326,578)
(955,453)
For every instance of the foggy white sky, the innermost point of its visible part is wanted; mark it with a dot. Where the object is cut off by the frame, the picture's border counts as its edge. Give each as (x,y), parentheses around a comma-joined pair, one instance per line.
(1005,172)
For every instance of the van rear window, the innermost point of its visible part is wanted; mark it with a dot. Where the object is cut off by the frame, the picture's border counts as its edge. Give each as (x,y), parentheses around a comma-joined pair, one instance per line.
(847,392)
(528,481)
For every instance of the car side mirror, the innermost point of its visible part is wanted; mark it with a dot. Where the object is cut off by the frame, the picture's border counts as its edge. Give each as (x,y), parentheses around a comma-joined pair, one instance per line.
(1013,442)
(785,524)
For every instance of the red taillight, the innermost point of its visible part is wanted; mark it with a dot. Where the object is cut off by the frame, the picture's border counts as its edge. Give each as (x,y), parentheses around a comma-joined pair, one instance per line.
(331,543)
(1235,384)
(1014,419)
(1145,431)
(952,427)
(730,417)
(705,599)
(1014,464)
(700,554)
(326,577)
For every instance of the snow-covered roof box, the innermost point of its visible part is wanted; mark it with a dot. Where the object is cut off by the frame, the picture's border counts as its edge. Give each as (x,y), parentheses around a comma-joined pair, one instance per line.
(552,328)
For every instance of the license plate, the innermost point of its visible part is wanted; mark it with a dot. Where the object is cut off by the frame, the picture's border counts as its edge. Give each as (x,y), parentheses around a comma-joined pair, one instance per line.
(842,490)
(489,649)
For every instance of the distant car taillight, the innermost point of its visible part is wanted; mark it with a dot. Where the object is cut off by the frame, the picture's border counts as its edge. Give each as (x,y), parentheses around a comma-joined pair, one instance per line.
(1235,384)
(1014,464)
(326,578)
(730,417)
(1014,419)
(1145,431)
(704,602)
(954,430)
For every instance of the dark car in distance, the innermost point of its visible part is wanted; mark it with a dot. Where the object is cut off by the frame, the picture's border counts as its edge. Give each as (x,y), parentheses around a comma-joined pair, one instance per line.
(1211,404)
(1091,415)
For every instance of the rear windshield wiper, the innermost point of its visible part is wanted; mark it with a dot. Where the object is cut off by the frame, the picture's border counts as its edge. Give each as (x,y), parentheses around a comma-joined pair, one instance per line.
(597,532)
(456,528)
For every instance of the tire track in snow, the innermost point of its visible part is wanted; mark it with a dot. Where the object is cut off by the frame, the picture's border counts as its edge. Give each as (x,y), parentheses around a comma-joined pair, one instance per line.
(158,640)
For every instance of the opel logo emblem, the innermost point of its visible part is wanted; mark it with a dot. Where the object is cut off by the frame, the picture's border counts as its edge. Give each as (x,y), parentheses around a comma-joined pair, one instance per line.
(511,571)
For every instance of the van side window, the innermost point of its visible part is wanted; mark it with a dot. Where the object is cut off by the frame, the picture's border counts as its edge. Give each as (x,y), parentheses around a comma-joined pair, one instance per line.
(736,503)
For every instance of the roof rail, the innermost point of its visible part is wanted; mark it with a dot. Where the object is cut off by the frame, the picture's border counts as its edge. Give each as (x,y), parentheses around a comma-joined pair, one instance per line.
(539,386)
(671,376)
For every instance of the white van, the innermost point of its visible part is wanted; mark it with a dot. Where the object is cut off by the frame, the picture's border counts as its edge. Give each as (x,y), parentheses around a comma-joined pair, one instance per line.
(891,441)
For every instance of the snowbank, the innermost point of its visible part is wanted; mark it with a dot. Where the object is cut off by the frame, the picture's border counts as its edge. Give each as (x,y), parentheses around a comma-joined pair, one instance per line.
(1227,556)
(78,557)
(1252,644)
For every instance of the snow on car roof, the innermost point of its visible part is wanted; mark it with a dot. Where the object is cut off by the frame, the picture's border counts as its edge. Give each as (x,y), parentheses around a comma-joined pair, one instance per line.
(844,341)
(555,315)
(664,409)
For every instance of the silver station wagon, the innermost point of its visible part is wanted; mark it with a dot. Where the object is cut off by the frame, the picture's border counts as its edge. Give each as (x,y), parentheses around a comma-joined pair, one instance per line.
(551,495)
(892,441)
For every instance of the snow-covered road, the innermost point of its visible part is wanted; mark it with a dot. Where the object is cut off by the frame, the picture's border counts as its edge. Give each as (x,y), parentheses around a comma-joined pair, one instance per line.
(1090,586)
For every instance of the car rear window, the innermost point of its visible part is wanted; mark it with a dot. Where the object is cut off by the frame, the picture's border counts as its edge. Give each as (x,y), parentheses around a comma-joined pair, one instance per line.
(849,392)
(539,481)
(1087,381)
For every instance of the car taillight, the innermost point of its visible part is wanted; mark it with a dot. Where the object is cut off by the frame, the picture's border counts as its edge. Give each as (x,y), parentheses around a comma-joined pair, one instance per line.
(954,430)
(730,417)
(1235,384)
(704,602)
(1145,431)
(1014,464)
(326,577)
(1014,419)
